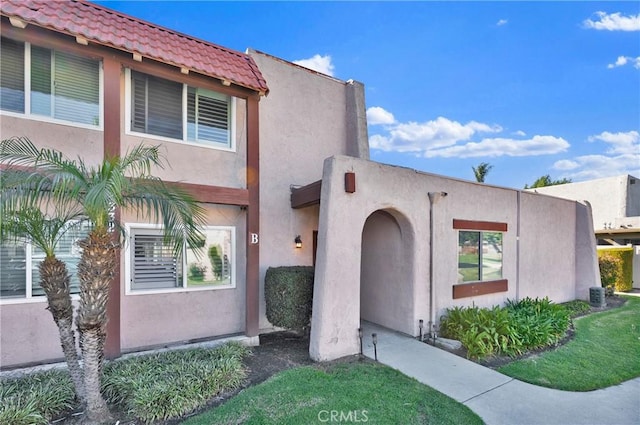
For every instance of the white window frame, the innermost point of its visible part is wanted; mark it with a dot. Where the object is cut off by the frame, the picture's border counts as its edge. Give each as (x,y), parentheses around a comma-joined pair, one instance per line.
(128,266)
(184,141)
(27,97)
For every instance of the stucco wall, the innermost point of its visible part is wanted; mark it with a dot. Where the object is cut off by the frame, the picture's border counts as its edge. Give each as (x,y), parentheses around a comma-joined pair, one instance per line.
(71,140)
(610,198)
(155,319)
(303,120)
(540,262)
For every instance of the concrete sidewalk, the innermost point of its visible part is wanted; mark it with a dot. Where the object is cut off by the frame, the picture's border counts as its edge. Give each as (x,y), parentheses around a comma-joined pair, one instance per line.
(499,399)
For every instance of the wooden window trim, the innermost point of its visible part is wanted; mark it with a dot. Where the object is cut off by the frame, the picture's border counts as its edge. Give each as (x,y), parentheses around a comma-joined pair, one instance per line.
(487,226)
(466,290)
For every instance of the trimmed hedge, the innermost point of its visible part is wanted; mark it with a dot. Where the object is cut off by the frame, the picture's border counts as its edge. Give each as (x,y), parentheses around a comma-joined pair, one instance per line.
(288,294)
(625,254)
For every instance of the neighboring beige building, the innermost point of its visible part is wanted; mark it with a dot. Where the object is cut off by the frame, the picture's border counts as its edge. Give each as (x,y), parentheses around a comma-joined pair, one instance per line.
(615,202)
(271,150)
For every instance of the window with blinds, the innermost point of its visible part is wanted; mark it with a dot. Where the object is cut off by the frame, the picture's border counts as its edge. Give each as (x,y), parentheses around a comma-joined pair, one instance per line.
(154,265)
(158,107)
(19,264)
(11,75)
(62,86)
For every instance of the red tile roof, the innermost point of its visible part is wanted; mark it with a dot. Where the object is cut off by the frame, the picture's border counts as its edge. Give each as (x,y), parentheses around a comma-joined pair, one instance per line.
(110,28)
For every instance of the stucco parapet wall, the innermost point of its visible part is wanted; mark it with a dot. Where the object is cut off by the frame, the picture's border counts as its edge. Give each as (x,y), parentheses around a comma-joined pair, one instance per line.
(541,229)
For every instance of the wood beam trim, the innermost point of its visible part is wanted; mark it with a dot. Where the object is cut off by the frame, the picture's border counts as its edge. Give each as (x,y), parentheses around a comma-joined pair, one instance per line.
(466,290)
(490,226)
(307,195)
(252,292)
(215,194)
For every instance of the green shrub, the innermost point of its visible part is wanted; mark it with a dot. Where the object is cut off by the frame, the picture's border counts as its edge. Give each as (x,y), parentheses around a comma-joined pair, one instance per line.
(289,294)
(511,330)
(624,276)
(172,384)
(216,261)
(196,271)
(576,307)
(610,272)
(36,398)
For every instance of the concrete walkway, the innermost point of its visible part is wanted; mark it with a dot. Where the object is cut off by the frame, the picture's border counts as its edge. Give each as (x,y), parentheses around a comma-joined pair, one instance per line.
(499,399)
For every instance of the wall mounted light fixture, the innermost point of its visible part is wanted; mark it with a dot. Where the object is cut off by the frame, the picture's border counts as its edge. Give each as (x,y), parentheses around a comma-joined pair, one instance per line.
(298,241)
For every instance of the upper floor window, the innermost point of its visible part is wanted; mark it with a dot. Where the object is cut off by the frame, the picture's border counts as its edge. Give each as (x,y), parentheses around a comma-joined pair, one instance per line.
(176,111)
(46,83)
(19,264)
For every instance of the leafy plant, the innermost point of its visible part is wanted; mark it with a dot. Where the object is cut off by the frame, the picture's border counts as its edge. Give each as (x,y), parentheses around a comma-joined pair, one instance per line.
(171,384)
(576,307)
(610,272)
(197,271)
(624,278)
(288,294)
(216,261)
(36,398)
(511,330)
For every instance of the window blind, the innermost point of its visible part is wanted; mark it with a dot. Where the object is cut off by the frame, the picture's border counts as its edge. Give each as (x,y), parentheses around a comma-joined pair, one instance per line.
(11,75)
(154,266)
(76,85)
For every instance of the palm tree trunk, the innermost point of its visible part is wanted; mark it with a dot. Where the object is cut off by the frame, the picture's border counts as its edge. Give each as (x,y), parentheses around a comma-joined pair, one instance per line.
(54,279)
(95,271)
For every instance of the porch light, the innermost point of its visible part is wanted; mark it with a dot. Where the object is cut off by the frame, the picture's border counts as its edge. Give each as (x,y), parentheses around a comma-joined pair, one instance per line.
(298,241)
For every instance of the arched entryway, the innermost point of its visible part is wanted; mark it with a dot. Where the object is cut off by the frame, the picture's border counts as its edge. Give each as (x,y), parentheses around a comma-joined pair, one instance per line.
(386,271)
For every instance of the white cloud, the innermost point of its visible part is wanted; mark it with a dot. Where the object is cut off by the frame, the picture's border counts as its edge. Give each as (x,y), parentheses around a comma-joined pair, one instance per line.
(501,22)
(421,137)
(520,133)
(622,157)
(377,115)
(447,138)
(493,147)
(613,22)
(623,60)
(318,63)
(590,167)
(620,143)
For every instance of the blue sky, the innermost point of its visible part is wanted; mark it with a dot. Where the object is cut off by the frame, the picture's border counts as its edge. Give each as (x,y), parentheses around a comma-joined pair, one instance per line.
(531,88)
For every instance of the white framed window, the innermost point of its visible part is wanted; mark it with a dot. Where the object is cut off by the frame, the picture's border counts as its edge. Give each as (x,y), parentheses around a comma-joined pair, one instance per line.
(173,111)
(479,256)
(152,267)
(50,85)
(19,266)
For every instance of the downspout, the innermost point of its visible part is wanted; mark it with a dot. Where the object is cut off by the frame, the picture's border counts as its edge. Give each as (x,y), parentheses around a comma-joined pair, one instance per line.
(433,198)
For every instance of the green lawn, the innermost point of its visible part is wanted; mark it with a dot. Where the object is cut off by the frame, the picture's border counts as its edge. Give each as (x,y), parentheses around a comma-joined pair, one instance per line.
(605,352)
(349,392)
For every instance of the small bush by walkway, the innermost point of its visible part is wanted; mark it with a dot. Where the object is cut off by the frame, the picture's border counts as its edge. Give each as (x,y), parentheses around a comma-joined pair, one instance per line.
(148,388)
(604,352)
(343,392)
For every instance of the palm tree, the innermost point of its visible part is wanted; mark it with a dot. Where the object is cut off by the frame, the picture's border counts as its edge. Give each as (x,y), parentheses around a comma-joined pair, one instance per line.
(29,223)
(481,171)
(118,182)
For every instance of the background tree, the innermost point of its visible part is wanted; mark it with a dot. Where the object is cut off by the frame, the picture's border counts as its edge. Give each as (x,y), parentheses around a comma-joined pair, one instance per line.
(481,171)
(125,182)
(546,181)
(28,223)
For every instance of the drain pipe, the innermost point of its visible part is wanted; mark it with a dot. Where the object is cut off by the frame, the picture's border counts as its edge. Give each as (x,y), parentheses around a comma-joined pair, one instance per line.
(434,197)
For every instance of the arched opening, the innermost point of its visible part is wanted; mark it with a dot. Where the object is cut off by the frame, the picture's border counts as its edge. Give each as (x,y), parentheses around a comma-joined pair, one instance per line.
(386,272)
